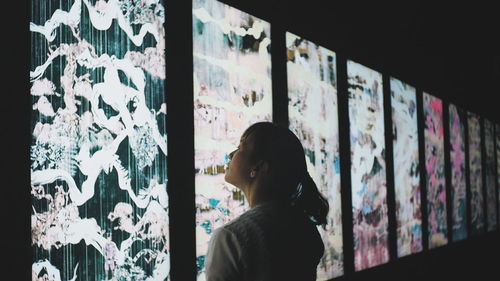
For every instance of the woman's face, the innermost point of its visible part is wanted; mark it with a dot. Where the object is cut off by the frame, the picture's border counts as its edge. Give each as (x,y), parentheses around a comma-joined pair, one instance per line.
(239,167)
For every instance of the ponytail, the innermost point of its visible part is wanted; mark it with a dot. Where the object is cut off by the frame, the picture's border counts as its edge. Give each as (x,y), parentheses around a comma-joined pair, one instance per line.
(283,151)
(311,201)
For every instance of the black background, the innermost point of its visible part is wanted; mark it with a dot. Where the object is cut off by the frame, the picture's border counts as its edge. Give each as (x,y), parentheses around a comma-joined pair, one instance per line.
(450,51)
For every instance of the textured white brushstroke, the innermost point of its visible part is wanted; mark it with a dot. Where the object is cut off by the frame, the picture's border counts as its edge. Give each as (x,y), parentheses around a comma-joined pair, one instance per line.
(205,17)
(241,69)
(86,141)
(91,166)
(102,17)
(52,273)
(161,267)
(111,90)
(43,87)
(61,224)
(163,109)
(370,124)
(152,61)
(82,50)
(153,218)
(44,107)
(71,18)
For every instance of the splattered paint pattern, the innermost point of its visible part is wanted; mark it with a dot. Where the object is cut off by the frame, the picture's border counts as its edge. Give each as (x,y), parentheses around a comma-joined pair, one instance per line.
(312,107)
(434,166)
(476,176)
(232,90)
(406,167)
(497,141)
(368,171)
(458,180)
(489,144)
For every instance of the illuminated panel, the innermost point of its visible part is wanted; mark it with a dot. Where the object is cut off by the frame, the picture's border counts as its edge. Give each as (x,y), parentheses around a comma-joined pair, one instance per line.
(232,90)
(475,172)
(489,144)
(406,167)
(312,109)
(457,123)
(497,137)
(435,176)
(368,175)
(99,141)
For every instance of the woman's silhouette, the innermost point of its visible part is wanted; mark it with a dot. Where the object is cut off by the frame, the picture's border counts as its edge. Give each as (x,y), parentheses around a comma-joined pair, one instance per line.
(277,239)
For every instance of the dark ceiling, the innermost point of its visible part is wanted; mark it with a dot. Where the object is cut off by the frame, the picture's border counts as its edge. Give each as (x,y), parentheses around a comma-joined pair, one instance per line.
(448,50)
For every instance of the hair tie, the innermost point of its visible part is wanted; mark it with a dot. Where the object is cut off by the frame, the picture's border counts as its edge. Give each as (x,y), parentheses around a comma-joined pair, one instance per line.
(305,176)
(300,187)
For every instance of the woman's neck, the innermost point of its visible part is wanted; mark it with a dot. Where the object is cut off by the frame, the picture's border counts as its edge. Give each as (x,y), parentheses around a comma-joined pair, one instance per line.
(258,193)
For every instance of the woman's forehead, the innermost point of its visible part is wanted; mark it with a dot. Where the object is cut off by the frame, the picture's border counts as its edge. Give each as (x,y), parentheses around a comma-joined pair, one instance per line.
(246,138)
(246,134)
(243,139)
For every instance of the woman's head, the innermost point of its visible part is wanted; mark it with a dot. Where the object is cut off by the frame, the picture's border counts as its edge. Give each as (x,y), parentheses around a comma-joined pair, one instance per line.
(275,156)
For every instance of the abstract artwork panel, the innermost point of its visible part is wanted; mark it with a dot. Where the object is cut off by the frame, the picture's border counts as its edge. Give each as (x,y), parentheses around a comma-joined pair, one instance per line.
(99,141)
(368,169)
(435,175)
(458,177)
(313,114)
(478,223)
(406,168)
(491,205)
(232,90)
(497,146)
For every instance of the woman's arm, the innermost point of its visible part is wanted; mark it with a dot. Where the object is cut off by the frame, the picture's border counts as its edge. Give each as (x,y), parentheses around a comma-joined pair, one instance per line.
(223,261)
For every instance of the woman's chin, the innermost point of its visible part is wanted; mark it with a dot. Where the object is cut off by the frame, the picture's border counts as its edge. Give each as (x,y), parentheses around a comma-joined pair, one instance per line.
(228,180)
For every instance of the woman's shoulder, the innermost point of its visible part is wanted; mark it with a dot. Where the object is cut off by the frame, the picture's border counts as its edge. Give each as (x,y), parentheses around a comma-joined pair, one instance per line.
(263,217)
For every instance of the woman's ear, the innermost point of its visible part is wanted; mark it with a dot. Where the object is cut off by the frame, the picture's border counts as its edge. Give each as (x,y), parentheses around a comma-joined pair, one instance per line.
(262,167)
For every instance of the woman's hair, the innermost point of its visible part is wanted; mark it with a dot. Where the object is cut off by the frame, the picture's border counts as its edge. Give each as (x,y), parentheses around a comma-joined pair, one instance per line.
(283,152)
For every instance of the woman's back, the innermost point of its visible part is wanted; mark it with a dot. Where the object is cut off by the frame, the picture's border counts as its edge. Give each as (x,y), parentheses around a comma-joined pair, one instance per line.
(272,241)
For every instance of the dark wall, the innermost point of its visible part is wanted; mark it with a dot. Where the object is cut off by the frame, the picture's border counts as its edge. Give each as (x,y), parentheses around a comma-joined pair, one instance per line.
(15,108)
(449,51)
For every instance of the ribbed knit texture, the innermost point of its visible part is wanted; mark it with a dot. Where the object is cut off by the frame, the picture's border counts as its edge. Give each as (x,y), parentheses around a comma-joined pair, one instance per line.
(272,241)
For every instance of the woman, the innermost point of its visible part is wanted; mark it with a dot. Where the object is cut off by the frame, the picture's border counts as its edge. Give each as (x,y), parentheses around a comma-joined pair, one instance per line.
(277,238)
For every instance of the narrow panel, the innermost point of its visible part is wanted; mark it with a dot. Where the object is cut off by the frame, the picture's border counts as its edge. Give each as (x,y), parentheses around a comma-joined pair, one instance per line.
(435,175)
(497,146)
(368,174)
(232,90)
(476,175)
(489,144)
(406,168)
(99,145)
(313,114)
(458,177)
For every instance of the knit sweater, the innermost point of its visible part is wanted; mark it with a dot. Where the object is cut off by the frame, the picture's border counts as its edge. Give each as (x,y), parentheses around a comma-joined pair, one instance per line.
(272,241)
